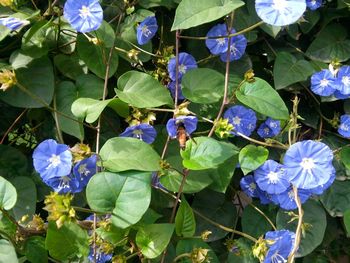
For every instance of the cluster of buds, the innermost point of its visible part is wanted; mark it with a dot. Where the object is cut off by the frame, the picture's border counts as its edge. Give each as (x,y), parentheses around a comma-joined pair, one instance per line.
(6,2)
(7,79)
(223,128)
(139,116)
(161,63)
(59,208)
(80,151)
(260,249)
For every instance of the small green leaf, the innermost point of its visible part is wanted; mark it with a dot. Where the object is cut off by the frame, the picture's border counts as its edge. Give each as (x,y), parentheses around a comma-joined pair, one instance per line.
(89,109)
(67,242)
(153,239)
(7,252)
(314,222)
(251,157)
(222,175)
(142,90)
(113,234)
(205,153)
(191,13)
(336,199)
(288,70)
(261,97)
(345,156)
(185,224)
(330,44)
(189,244)
(8,194)
(203,85)
(35,250)
(122,154)
(26,197)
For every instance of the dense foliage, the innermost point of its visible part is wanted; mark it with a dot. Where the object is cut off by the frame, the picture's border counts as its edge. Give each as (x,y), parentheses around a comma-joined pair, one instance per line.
(174,131)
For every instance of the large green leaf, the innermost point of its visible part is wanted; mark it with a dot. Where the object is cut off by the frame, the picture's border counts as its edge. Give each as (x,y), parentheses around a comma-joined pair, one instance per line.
(288,70)
(153,239)
(336,199)
(12,162)
(203,85)
(191,13)
(96,56)
(122,154)
(37,79)
(8,194)
(315,222)
(261,97)
(222,175)
(251,157)
(205,153)
(213,206)
(70,66)
(185,224)
(67,242)
(142,90)
(345,156)
(26,197)
(7,252)
(35,250)
(330,44)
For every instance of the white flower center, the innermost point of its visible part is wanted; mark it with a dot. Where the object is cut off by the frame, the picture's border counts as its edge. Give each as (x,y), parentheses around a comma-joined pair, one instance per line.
(279,5)
(83,170)
(236,120)
(233,49)
(138,134)
(273,177)
(345,80)
(273,124)
(291,195)
(277,258)
(324,83)
(55,160)
(307,163)
(221,41)
(146,31)
(84,12)
(182,68)
(252,187)
(344,127)
(313,2)
(64,182)
(266,131)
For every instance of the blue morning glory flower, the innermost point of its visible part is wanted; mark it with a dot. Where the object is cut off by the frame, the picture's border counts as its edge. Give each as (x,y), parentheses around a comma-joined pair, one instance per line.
(83,15)
(171,87)
(51,159)
(320,189)
(143,131)
(189,123)
(270,128)
(186,62)
(308,164)
(217,45)
(85,169)
(146,30)
(242,119)
(13,23)
(280,12)
(323,83)
(271,177)
(281,243)
(286,199)
(313,4)
(237,48)
(340,96)
(65,184)
(343,80)
(249,186)
(100,256)
(344,127)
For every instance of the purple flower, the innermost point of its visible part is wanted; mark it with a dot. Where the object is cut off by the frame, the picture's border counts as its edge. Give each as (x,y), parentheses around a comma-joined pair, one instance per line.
(286,200)
(171,87)
(13,23)
(281,243)
(271,177)
(146,30)
(51,159)
(323,83)
(344,127)
(280,12)
(186,62)
(313,4)
(100,256)
(242,119)
(217,45)
(343,80)
(237,47)
(188,122)
(65,184)
(143,131)
(269,128)
(83,15)
(249,186)
(309,164)
(85,169)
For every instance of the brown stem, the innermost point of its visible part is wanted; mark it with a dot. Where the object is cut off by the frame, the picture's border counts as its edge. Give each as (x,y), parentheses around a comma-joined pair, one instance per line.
(12,125)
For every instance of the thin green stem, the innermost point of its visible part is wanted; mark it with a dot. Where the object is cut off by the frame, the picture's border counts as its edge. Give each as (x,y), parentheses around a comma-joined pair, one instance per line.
(58,127)
(279,146)
(185,255)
